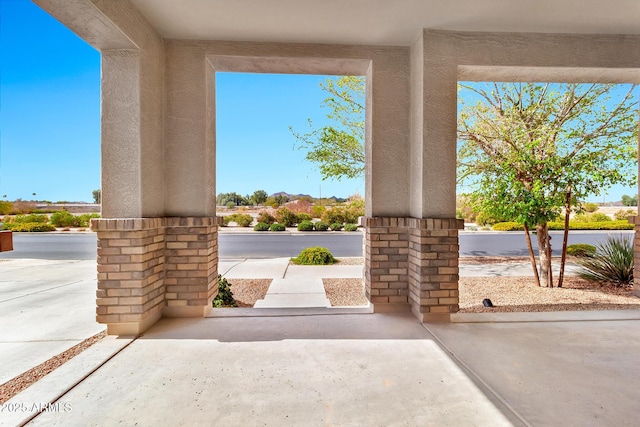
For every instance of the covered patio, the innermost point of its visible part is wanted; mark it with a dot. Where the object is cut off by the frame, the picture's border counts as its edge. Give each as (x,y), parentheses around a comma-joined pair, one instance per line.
(157,250)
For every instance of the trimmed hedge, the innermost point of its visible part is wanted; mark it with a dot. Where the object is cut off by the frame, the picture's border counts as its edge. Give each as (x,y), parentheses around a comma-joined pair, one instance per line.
(605,225)
(351,227)
(28,227)
(336,226)
(277,227)
(321,226)
(305,226)
(507,226)
(261,226)
(573,225)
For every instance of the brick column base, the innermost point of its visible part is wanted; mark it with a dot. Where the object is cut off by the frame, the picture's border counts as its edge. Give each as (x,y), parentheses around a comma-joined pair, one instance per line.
(412,264)
(636,255)
(191,266)
(386,263)
(433,268)
(150,267)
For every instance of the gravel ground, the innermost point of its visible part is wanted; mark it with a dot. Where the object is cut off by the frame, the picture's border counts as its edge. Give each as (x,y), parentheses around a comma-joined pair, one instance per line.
(345,292)
(247,291)
(522,294)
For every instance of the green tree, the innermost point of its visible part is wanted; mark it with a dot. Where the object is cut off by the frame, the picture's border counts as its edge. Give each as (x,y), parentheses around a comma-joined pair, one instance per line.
(530,149)
(338,149)
(259,197)
(97,196)
(232,199)
(630,201)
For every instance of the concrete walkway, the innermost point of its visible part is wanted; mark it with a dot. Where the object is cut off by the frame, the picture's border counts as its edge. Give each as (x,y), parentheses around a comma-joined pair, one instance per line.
(293,286)
(367,369)
(46,307)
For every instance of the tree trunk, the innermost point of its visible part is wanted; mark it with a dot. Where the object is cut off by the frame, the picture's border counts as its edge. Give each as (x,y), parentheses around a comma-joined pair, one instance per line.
(532,256)
(544,252)
(565,237)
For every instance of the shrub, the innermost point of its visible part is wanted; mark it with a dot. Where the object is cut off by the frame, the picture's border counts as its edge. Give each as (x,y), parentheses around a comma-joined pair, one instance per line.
(581,250)
(5,207)
(65,219)
(243,220)
(314,256)
(599,217)
(336,227)
(261,226)
(351,227)
(286,217)
(334,215)
(354,210)
(321,226)
(590,207)
(30,218)
(581,217)
(303,217)
(622,215)
(277,227)
(317,211)
(266,217)
(225,296)
(28,227)
(85,219)
(612,263)
(507,226)
(305,226)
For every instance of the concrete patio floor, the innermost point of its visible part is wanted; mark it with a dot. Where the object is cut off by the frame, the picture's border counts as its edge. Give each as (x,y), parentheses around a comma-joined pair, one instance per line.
(351,370)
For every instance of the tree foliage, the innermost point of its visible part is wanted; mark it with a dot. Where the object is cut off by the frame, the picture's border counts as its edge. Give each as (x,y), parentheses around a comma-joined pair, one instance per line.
(338,149)
(259,197)
(629,201)
(529,149)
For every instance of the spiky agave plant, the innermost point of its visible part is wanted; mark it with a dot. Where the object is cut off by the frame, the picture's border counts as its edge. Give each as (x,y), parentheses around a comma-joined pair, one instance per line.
(612,262)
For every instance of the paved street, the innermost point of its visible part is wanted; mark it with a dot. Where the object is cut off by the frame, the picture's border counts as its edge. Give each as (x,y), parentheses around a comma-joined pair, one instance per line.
(82,246)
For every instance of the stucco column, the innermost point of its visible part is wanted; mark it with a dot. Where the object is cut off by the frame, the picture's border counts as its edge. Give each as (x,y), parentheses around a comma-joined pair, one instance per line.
(190,144)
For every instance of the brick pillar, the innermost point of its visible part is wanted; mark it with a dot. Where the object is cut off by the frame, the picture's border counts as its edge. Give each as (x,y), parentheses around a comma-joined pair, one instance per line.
(130,295)
(433,268)
(386,263)
(636,254)
(191,266)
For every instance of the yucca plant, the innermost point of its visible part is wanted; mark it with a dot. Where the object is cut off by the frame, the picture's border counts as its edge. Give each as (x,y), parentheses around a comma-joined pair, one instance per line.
(612,263)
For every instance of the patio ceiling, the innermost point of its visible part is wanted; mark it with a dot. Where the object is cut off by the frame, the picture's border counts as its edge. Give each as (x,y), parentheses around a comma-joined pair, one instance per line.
(381,22)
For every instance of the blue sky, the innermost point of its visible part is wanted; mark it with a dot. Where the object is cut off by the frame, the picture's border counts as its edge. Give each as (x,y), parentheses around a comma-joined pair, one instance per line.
(50,119)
